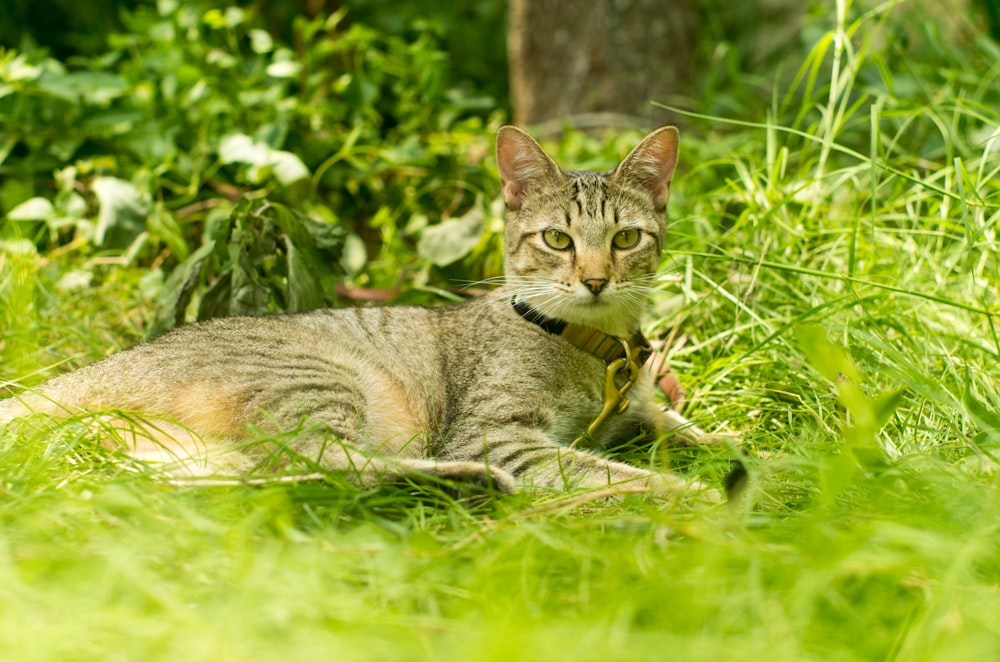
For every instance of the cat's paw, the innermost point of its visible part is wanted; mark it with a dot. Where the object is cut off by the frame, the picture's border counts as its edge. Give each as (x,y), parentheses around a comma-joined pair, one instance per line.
(686,433)
(471,473)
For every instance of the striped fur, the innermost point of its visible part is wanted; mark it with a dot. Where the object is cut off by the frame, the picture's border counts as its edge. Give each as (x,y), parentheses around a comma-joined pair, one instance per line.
(472,391)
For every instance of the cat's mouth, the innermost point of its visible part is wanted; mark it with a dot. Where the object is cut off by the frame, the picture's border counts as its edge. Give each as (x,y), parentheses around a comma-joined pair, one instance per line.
(602,304)
(572,304)
(566,300)
(595,301)
(585,297)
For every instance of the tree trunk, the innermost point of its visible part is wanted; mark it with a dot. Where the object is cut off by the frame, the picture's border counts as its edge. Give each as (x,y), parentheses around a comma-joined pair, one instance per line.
(611,57)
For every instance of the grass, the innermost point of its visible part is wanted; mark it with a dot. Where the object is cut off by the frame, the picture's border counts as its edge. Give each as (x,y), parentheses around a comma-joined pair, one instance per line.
(838,294)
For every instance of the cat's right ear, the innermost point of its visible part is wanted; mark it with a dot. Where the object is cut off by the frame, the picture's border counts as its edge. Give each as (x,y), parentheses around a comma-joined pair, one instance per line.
(651,164)
(522,163)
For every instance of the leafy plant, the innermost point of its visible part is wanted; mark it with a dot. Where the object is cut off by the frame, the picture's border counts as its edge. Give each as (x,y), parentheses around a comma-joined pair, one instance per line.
(197,107)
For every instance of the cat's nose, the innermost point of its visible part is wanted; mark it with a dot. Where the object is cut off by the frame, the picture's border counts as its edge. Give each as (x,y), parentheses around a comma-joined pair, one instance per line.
(595,285)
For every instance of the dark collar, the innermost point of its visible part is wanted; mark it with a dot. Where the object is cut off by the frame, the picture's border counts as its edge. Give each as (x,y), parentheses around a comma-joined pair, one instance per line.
(605,347)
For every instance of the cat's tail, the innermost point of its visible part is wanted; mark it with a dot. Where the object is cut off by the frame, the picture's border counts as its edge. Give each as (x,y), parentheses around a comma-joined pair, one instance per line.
(170,445)
(25,404)
(49,398)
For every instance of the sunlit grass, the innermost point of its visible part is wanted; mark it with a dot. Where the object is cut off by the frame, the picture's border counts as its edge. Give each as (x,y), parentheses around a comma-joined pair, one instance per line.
(837,296)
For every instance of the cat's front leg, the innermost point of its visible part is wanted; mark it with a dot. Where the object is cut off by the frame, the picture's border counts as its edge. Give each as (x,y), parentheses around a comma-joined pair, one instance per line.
(535,461)
(683,432)
(565,468)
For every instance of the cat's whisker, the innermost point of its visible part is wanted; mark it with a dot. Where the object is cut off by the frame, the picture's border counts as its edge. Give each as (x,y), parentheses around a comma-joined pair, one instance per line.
(644,291)
(638,295)
(507,280)
(550,306)
(656,281)
(534,290)
(493,280)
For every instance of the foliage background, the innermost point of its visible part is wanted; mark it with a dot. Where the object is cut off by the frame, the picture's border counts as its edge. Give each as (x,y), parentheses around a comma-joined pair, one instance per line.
(832,274)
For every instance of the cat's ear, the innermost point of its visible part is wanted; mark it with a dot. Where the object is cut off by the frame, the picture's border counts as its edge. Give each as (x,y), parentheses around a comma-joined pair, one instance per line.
(522,163)
(651,164)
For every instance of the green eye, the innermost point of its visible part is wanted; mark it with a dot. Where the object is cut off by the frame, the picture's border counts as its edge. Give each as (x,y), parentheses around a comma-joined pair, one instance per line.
(557,240)
(626,239)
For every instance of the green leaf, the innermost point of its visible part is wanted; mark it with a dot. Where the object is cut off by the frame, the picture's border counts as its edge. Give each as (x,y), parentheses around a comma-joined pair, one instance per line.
(177,290)
(885,404)
(122,211)
(241,148)
(303,290)
(836,475)
(261,41)
(99,87)
(354,256)
(219,19)
(216,299)
(283,69)
(828,359)
(861,448)
(19,69)
(112,122)
(450,241)
(166,228)
(287,167)
(986,417)
(33,209)
(58,86)
(250,294)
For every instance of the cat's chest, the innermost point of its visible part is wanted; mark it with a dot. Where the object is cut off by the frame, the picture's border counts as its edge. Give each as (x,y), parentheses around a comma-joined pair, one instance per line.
(567,390)
(600,405)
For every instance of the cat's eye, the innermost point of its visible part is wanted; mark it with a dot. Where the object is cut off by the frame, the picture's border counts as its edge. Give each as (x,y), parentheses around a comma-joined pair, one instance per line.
(626,238)
(557,240)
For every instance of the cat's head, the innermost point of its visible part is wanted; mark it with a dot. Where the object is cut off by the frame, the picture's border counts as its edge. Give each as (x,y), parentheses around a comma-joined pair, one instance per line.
(583,246)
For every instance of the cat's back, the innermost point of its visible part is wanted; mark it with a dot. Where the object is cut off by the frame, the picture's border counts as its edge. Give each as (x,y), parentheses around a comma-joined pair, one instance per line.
(258,349)
(249,357)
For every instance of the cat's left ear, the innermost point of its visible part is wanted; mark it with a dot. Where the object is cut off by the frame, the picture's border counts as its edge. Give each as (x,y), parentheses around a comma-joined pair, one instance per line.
(651,164)
(523,164)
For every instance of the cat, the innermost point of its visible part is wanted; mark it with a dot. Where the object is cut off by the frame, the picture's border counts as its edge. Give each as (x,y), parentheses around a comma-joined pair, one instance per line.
(513,389)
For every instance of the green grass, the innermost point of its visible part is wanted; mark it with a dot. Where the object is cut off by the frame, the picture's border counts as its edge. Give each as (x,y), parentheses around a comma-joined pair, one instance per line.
(839,282)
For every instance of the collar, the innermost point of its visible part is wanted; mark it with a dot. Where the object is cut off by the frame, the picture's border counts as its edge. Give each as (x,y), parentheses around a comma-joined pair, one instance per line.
(605,347)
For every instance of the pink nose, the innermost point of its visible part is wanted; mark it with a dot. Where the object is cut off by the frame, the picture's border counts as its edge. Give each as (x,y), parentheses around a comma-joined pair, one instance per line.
(595,285)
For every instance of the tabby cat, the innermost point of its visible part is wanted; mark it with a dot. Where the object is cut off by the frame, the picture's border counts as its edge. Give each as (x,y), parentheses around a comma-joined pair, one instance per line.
(511,389)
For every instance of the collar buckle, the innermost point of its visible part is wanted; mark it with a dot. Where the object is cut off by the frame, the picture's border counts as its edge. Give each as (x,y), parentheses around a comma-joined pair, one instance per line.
(615,401)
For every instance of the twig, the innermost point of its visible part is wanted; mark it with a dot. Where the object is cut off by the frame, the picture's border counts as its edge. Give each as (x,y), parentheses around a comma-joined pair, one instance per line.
(195,481)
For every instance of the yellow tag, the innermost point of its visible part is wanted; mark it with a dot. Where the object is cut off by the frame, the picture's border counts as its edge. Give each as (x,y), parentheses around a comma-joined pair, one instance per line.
(614,395)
